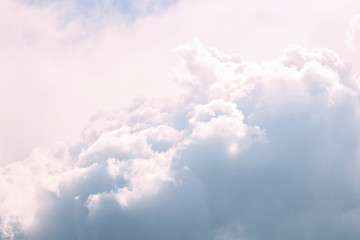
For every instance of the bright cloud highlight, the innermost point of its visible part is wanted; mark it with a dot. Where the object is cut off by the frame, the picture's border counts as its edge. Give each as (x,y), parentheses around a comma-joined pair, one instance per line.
(218,146)
(250,151)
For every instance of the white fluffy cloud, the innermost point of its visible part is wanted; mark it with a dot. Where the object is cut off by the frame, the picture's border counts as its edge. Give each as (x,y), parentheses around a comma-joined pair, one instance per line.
(64,60)
(242,149)
(250,150)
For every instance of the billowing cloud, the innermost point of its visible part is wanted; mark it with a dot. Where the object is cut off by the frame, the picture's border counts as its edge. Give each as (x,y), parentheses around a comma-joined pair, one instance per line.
(250,150)
(63,61)
(242,149)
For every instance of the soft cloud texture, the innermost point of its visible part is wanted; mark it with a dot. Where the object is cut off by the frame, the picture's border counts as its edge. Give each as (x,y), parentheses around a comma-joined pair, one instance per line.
(250,150)
(63,61)
(247,147)
(354,34)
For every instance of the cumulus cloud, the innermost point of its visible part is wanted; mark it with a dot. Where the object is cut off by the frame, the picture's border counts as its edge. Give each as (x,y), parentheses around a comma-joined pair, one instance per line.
(45,65)
(250,150)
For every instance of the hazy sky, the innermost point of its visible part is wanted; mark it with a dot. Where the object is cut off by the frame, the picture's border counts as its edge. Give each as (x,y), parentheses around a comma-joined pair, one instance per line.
(188,119)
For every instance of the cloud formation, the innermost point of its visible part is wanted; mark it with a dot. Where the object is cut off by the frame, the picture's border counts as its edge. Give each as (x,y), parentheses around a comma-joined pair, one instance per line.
(131,10)
(250,150)
(353,39)
(46,64)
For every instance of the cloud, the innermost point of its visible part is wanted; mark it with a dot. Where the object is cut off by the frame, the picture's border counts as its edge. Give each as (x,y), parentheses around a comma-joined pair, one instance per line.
(51,71)
(261,149)
(56,74)
(250,150)
(353,36)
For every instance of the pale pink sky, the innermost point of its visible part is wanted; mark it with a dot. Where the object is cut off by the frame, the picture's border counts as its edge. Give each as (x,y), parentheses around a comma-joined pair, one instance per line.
(54,77)
(245,123)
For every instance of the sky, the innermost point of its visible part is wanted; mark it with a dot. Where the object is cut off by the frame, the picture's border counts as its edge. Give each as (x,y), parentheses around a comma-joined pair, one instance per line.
(164,119)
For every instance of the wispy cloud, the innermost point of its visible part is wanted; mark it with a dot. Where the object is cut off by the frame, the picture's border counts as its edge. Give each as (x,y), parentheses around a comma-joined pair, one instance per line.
(353,39)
